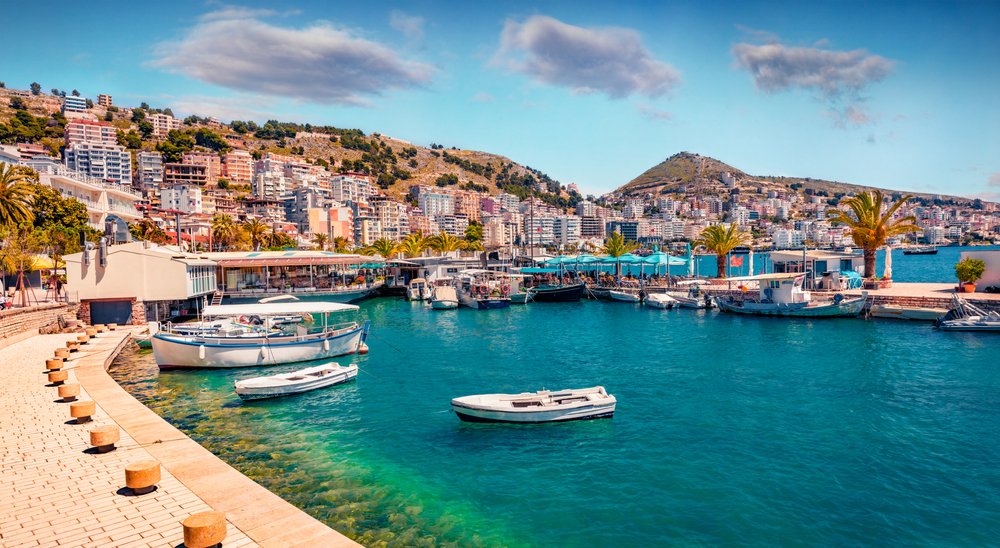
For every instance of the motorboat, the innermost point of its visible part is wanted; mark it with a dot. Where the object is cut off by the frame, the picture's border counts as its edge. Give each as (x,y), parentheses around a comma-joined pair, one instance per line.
(624,296)
(965,316)
(444,298)
(660,300)
(922,250)
(483,289)
(694,297)
(522,297)
(906,312)
(781,294)
(418,290)
(296,382)
(557,293)
(536,407)
(249,345)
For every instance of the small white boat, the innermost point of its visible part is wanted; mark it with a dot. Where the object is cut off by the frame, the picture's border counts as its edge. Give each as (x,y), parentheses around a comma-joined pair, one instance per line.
(906,313)
(965,316)
(418,290)
(623,296)
(536,407)
(295,382)
(660,300)
(444,298)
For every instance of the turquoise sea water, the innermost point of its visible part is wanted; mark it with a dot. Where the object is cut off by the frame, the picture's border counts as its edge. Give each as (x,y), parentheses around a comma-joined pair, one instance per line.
(729,430)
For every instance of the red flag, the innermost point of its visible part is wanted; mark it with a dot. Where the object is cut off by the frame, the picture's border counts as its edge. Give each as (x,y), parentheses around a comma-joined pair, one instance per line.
(736,260)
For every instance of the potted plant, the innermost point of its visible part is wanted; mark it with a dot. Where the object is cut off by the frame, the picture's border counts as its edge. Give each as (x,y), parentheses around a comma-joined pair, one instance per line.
(968,271)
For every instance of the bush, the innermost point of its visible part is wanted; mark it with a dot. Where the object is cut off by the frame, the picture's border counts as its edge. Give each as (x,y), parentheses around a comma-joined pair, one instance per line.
(969,270)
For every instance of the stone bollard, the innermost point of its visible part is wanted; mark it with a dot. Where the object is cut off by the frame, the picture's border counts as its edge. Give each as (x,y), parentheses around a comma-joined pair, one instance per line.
(142,476)
(101,328)
(69,392)
(104,438)
(82,339)
(112,326)
(58,377)
(204,529)
(62,353)
(73,346)
(54,364)
(91,332)
(82,411)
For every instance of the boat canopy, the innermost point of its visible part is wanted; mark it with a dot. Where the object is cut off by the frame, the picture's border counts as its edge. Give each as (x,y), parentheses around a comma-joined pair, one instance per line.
(766,277)
(277,309)
(537,270)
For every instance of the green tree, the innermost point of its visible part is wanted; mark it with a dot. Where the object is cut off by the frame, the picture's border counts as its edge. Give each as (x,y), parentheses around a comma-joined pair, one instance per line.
(474,232)
(15,195)
(130,140)
(147,230)
(177,143)
(256,231)
(53,209)
(721,240)
(870,225)
(384,247)
(146,130)
(319,240)
(413,245)
(445,243)
(340,244)
(18,103)
(209,139)
(36,88)
(615,245)
(225,231)
(138,115)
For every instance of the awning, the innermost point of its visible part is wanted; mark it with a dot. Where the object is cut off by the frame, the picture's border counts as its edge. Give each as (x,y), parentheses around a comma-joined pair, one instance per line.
(288,261)
(277,309)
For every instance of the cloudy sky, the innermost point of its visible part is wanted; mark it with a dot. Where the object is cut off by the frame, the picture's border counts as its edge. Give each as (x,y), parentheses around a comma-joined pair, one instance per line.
(896,94)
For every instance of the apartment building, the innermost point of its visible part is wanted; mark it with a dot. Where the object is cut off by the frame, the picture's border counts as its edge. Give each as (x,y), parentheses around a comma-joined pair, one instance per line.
(237,167)
(391,216)
(104,100)
(468,204)
(162,123)
(539,230)
(186,199)
(208,159)
(435,203)
(89,131)
(351,188)
(74,104)
(270,185)
(566,230)
(177,174)
(150,170)
(101,161)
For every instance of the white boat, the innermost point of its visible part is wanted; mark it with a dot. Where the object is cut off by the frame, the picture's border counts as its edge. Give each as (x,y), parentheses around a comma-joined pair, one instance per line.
(660,300)
(536,407)
(694,297)
(295,382)
(624,296)
(444,298)
(250,347)
(906,312)
(418,290)
(781,294)
(483,289)
(965,316)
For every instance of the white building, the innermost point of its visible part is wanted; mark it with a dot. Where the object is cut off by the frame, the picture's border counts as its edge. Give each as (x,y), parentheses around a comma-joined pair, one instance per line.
(110,163)
(184,198)
(349,188)
(103,199)
(434,203)
(162,123)
(74,104)
(784,238)
(566,230)
(150,170)
(89,131)
(539,230)
(270,185)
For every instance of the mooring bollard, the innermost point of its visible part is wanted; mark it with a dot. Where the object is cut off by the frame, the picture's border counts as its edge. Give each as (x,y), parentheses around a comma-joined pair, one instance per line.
(91,332)
(104,437)
(142,476)
(73,346)
(69,392)
(62,353)
(82,411)
(58,377)
(112,326)
(204,529)
(82,339)
(54,364)
(101,328)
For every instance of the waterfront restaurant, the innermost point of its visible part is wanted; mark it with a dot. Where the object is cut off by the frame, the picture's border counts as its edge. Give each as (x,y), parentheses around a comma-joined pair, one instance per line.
(826,269)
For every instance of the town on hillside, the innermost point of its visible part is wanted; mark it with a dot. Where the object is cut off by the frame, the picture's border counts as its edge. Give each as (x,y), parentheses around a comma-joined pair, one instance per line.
(141,171)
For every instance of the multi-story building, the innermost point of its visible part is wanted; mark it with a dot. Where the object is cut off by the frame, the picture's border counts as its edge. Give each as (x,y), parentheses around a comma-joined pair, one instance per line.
(351,188)
(468,204)
(434,203)
(454,225)
(539,230)
(225,204)
(498,232)
(341,223)
(104,100)
(391,217)
(208,159)
(628,229)
(110,163)
(150,170)
(299,209)
(103,200)
(162,123)
(183,198)
(270,185)
(784,238)
(177,174)
(237,167)
(592,228)
(72,103)
(586,209)
(418,222)
(509,202)
(89,131)
(566,230)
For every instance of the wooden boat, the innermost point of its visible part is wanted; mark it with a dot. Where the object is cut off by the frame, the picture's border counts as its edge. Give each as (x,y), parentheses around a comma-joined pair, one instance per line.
(557,293)
(522,297)
(252,346)
(296,382)
(483,289)
(660,300)
(536,407)
(781,294)
(923,250)
(624,296)
(444,298)
(906,313)
(965,316)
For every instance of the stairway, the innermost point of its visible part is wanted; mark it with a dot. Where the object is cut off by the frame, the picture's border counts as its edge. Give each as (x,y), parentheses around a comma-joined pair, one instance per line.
(217,298)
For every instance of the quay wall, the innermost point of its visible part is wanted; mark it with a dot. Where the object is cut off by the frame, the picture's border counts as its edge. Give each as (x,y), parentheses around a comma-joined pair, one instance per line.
(18,324)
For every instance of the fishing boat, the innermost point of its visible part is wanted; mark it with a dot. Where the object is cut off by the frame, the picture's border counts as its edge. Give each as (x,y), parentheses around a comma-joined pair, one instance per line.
(922,250)
(483,289)
(536,407)
(522,297)
(444,298)
(965,316)
(661,300)
(906,312)
(557,293)
(694,297)
(624,296)
(781,294)
(251,345)
(418,290)
(296,382)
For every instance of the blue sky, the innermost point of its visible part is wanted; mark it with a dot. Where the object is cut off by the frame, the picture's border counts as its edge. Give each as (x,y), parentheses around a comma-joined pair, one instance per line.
(892,94)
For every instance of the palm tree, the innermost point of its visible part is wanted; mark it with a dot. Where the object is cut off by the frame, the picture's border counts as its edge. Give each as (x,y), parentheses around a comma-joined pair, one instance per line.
(256,231)
(721,240)
(413,245)
(340,244)
(147,230)
(15,195)
(870,227)
(385,248)
(225,231)
(320,240)
(445,243)
(616,245)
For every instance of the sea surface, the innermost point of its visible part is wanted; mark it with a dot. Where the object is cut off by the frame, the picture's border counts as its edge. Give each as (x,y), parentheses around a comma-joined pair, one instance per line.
(729,430)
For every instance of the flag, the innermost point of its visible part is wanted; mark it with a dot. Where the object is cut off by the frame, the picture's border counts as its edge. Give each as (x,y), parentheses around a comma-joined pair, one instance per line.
(736,260)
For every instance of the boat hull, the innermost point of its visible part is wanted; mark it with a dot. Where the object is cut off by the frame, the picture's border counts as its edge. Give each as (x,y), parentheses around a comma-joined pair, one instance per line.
(557,294)
(904,313)
(597,411)
(848,308)
(623,297)
(184,352)
(259,393)
(653,301)
(444,305)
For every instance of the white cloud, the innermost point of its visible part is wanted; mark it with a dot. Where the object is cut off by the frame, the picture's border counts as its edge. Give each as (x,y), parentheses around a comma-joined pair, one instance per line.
(411,26)
(653,113)
(319,63)
(225,109)
(994,179)
(607,60)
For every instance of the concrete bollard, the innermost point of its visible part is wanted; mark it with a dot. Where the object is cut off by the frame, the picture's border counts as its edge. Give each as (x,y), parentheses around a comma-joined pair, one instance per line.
(82,411)
(58,377)
(112,326)
(101,328)
(73,346)
(82,339)
(104,438)
(204,529)
(142,476)
(91,332)
(54,364)
(69,392)
(62,353)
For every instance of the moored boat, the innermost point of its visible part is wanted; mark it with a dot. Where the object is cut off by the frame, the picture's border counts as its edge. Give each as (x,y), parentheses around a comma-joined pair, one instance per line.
(905,312)
(418,290)
(624,296)
(965,316)
(536,407)
(444,298)
(483,289)
(522,297)
(781,294)
(557,293)
(923,250)
(296,382)
(660,300)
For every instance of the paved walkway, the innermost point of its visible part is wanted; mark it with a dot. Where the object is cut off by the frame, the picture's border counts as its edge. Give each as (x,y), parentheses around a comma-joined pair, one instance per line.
(56,492)
(928,291)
